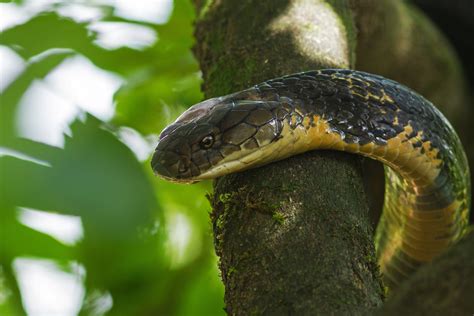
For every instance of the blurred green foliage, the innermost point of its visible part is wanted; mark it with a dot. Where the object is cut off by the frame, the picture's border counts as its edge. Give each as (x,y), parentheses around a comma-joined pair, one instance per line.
(126,213)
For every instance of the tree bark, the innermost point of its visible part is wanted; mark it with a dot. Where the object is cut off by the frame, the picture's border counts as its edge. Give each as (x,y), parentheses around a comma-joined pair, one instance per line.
(286,248)
(294,237)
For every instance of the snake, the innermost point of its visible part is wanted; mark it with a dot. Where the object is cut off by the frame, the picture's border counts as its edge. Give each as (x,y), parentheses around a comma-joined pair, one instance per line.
(427,186)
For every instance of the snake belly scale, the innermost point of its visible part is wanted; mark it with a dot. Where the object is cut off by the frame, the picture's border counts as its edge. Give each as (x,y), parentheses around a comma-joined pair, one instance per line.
(427,191)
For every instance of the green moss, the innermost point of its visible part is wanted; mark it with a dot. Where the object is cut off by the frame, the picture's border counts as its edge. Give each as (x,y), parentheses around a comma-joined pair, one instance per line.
(255,312)
(231,271)
(225,197)
(371,259)
(216,42)
(469,229)
(209,196)
(221,83)
(289,187)
(279,217)
(222,75)
(205,8)
(220,222)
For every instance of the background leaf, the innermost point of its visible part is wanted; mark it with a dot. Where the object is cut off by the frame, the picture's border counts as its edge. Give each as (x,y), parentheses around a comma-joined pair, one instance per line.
(131,248)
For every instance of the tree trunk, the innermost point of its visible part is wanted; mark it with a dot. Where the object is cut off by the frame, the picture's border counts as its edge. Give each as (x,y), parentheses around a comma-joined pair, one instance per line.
(286,248)
(293,237)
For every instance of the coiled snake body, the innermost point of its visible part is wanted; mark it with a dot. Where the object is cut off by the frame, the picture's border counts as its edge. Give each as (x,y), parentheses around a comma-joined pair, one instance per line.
(427,195)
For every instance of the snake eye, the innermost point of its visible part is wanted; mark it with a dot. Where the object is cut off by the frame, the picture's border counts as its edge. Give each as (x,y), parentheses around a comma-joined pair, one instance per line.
(207,142)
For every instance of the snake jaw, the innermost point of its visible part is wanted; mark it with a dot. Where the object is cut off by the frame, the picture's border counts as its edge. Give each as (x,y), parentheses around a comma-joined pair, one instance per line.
(179,181)
(160,170)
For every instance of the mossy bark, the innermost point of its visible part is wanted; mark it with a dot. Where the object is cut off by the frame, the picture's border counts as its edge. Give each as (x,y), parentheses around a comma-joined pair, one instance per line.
(285,248)
(294,237)
(240,43)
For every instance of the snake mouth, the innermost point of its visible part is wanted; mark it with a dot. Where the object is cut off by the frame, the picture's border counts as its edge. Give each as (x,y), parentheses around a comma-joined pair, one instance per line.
(245,159)
(162,172)
(179,181)
(170,172)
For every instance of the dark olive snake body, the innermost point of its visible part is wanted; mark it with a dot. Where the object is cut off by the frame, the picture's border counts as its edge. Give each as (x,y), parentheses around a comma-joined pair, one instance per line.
(427,196)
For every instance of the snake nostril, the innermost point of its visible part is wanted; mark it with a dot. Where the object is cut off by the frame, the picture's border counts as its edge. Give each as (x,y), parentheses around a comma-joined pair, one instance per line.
(159,168)
(182,166)
(162,162)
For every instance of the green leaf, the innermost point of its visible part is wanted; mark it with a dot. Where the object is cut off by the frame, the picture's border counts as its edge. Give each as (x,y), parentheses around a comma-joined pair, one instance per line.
(149,105)
(205,294)
(50,31)
(177,34)
(40,151)
(93,177)
(11,96)
(9,289)
(19,240)
(98,178)
(171,84)
(66,33)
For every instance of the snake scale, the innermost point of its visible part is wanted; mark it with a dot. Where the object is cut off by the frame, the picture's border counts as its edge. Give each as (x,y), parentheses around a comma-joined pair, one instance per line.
(427,191)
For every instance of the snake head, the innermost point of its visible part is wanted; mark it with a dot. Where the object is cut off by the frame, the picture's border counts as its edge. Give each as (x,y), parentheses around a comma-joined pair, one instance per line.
(215,137)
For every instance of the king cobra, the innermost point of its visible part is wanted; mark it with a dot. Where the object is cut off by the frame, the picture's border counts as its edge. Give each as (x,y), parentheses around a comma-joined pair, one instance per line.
(427,190)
